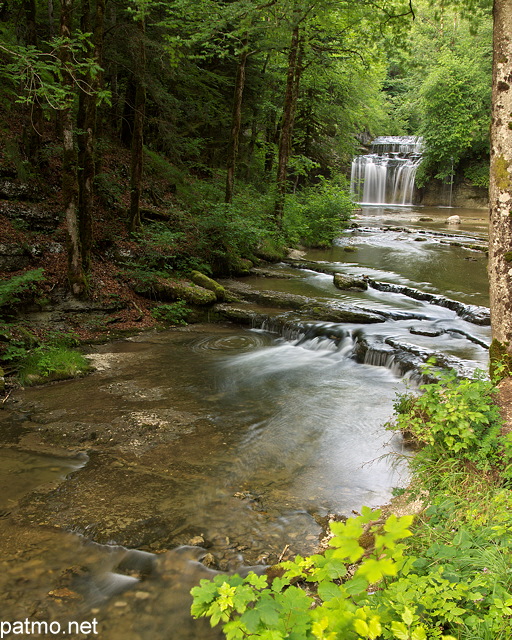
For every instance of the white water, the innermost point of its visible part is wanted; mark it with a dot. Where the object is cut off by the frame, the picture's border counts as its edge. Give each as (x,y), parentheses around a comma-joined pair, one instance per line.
(387,174)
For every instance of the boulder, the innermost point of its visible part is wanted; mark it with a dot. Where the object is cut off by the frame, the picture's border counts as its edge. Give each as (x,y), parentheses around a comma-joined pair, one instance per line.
(35,216)
(208,283)
(453,220)
(168,290)
(13,257)
(347,283)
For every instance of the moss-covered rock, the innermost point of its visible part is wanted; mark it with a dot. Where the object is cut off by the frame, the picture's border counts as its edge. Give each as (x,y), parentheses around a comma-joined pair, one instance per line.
(168,290)
(345,282)
(240,266)
(201,280)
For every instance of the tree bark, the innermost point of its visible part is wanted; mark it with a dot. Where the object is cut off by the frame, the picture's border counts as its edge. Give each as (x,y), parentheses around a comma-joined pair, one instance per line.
(285,139)
(500,190)
(86,123)
(236,124)
(32,132)
(69,178)
(137,138)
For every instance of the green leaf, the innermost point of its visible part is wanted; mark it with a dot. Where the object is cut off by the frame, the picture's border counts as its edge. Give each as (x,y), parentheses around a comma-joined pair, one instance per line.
(400,630)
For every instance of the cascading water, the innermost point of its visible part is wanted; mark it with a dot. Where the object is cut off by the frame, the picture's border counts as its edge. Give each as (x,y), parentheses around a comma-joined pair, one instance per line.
(386,175)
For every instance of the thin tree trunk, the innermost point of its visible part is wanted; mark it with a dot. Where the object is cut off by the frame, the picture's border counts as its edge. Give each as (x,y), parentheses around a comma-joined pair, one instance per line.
(285,139)
(86,123)
(137,138)
(69,178)
(236,124)
(32,132)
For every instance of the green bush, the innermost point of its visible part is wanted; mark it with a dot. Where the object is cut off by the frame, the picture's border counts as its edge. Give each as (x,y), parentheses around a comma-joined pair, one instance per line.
(226,234)
(20,288)
(174,313)
(453,418)
(317,215)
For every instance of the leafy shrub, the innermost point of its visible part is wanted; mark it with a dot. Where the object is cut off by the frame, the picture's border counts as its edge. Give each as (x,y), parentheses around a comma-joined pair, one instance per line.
(225,235)
(19,288)
(174,313)
(453,417)
(317,215)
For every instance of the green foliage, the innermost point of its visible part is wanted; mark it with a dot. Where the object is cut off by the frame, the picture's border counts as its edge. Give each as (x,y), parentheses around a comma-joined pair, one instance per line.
(439,87)
(456,97)
(174,313)
(316,215)
(19,289)
(51,362)
(40,70)
(453,417)
(477,174)
(338,605)
(226,233)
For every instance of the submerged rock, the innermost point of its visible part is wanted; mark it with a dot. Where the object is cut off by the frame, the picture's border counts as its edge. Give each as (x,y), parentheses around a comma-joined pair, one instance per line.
(346,282)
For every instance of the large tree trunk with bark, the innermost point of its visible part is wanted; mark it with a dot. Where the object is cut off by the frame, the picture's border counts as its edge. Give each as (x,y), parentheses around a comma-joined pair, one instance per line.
(285,139)
(236,124)
(500,191)
(69,177)
(138,124)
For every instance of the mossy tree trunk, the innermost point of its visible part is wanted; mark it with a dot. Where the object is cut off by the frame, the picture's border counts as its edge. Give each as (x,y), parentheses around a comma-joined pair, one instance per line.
(500,191)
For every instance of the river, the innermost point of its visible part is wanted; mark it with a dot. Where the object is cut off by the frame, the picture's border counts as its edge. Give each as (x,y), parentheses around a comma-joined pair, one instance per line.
(228,441)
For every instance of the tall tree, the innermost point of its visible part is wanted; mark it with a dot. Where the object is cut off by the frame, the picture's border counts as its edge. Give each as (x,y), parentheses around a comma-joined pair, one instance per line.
(76,274)
(86,123)
(500,191)
(137,147)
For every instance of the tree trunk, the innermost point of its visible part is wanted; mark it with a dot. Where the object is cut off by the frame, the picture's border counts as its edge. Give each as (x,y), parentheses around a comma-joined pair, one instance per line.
(137,138)
(86,123)
(69,177)
(32,132)
(285,139)
(500,191)
(236,124)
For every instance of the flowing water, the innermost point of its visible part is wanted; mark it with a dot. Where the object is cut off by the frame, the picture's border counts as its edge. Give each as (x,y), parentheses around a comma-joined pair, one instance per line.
(237,441)
(386,175)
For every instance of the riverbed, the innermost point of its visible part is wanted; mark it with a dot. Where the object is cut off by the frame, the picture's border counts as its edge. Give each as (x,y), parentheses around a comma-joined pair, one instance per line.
(227,444)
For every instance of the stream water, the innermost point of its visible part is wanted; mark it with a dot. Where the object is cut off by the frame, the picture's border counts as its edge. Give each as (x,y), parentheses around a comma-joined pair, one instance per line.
(236,441)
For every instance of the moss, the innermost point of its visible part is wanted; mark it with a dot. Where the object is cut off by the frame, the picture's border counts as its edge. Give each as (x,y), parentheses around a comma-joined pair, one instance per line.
(500,360)
(508,256)
(208,283)
(501,174)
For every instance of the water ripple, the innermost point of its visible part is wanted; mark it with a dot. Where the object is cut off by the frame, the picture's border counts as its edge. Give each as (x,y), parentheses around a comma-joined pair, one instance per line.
(239,343)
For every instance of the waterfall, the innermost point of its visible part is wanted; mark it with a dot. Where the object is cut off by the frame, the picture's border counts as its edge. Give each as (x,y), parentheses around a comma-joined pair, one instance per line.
(386,175)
